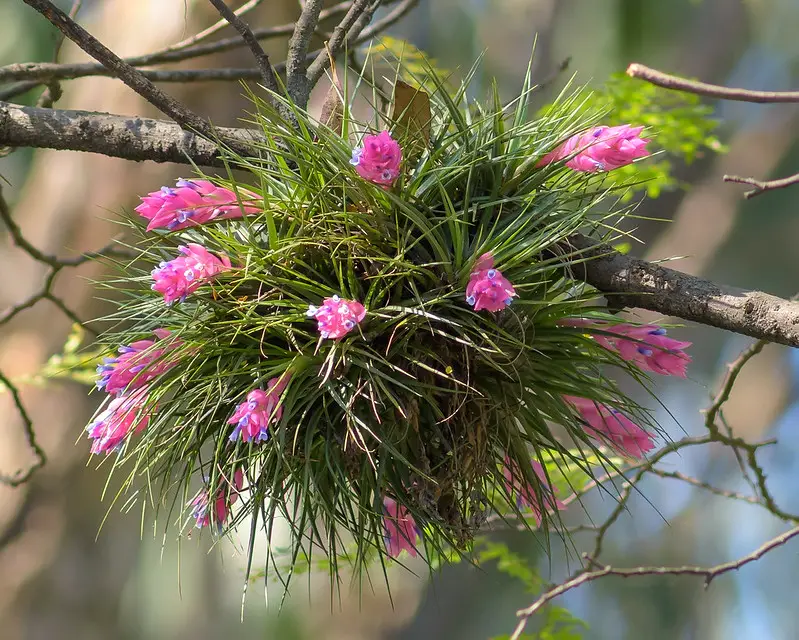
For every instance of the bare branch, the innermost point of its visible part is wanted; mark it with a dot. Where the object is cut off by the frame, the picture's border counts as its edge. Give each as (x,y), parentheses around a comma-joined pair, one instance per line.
(761,186)
(267,72)
(709,574)
(121,69)
(338,38)
(31,71)
(297,85)
(21,476)
(677,83)
(214,28)
(632,282)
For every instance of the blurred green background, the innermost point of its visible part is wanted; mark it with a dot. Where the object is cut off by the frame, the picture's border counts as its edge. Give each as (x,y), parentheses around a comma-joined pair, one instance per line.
(63,576)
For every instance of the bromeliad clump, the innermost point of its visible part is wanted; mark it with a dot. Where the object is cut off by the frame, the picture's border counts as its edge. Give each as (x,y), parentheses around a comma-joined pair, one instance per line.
(381,345)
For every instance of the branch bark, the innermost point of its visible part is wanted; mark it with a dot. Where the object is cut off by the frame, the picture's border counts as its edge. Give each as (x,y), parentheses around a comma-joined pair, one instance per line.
(633,282)
(121,69)
(114,136)
(297,85)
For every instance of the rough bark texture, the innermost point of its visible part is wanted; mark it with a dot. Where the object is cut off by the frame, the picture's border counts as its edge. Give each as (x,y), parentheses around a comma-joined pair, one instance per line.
(633,282)
(115,136)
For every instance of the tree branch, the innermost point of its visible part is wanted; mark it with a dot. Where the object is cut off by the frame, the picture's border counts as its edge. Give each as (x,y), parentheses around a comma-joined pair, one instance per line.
(265,67)
(121,69)
(709,573)
(636,283)
(675,83)
(115,136)
(32,71)
(761,186)
(630,281)
(337,39)
(297,85)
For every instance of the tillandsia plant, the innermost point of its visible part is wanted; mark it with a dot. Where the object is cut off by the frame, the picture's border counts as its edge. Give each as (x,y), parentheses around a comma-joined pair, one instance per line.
(377,338)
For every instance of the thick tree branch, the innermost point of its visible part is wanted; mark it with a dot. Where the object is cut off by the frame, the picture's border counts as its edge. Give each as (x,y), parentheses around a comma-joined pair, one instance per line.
(637,283)
(115,136)
(121,69)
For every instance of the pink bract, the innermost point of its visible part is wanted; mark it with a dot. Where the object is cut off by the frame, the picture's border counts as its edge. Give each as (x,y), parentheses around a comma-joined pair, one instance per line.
(613,427)
(600,149)
(488,288)
(124,415)
(401,531)
(526,495)
(178,278)
(137,363)
(379,159)
(647,345)
(262,408)
(336,317)
(225,497)
(194,202)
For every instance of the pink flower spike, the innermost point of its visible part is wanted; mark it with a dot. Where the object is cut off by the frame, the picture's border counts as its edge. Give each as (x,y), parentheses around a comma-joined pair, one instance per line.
(194,202)
(178,278)
(137,364)
(401,531)
(488,288)
(262,408)
(224,499)
(124,415)
(612,426)
(600,149)
(378,160)
(646,345)
(525,494)
(336,317)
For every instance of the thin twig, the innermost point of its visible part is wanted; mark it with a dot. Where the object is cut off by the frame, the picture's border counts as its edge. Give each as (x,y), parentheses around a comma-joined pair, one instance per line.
(30,72)
(761,186)
(121,69)
(709,574)
(676,83)
(261,58)
(724,493)
(21,476)
(214,28)
(337,39)
(297,85)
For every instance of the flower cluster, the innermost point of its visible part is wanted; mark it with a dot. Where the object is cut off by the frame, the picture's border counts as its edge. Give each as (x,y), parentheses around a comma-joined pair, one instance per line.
(647,346)
(612,426)
(125,415)
(488,288)
(525,494)
(600,149)
(336,317)
(378,160)
(178,278)
(137,363)
(225,497)
(262,408)
(401,532)
(194,202)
